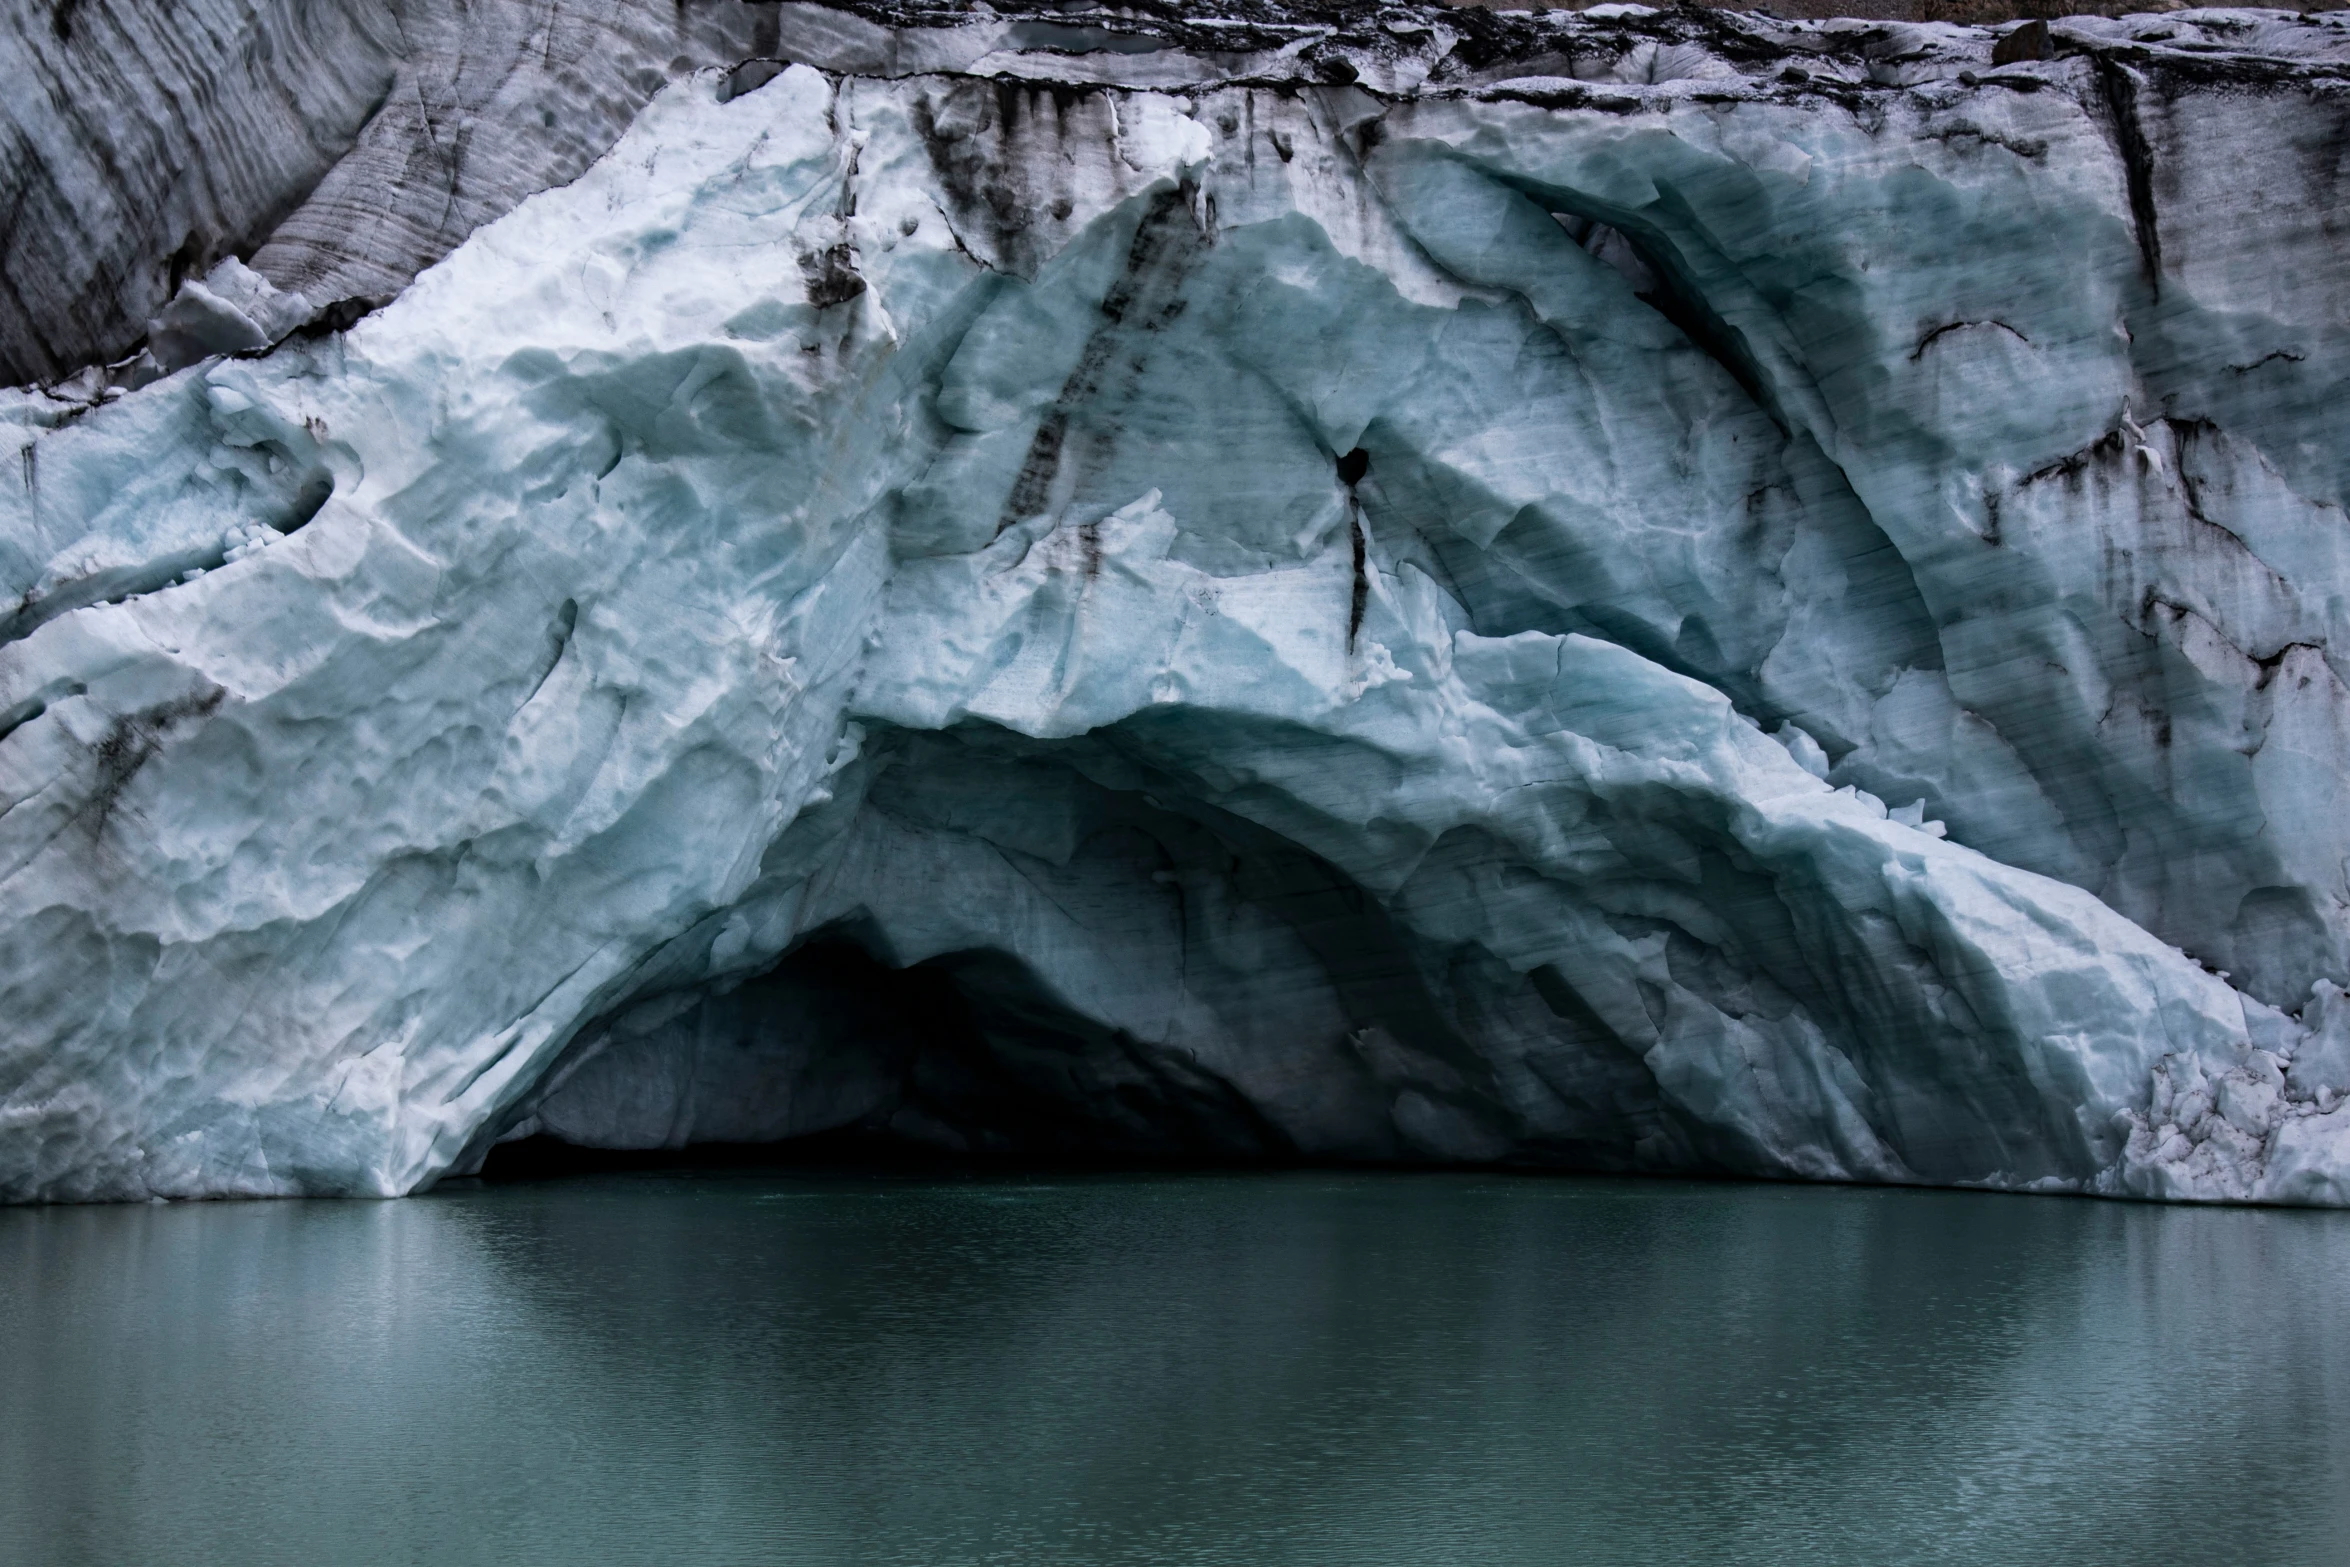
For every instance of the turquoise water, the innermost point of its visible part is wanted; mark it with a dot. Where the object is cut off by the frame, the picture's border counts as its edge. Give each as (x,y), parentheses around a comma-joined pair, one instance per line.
(776,1366)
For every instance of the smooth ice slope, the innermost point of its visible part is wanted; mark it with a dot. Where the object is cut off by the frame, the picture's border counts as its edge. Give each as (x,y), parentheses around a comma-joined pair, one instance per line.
(1645,606)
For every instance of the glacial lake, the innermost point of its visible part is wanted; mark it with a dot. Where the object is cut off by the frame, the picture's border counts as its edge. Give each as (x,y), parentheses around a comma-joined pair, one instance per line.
(738,1367)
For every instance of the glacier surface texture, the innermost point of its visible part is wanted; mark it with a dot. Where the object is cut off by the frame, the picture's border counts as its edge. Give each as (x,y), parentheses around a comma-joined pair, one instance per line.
(1638,591)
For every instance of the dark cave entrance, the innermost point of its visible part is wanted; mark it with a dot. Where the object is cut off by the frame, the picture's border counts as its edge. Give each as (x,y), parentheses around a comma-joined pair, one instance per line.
(967,1061)
(1023,965)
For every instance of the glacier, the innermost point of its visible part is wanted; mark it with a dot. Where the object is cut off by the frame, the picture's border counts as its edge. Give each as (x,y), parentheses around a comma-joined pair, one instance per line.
(1626,590)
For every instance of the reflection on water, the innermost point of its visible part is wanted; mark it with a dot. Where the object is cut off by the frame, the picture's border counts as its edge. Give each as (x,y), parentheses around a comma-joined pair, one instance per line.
(1249,1369)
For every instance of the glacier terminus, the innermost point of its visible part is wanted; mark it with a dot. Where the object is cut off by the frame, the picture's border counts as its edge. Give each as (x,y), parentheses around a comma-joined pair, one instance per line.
(1633,590)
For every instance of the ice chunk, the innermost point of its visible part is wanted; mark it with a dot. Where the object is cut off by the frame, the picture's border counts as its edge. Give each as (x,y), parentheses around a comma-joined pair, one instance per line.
(230,310)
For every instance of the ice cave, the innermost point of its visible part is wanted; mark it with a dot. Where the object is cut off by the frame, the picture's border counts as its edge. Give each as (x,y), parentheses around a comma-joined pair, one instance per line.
(1635,590)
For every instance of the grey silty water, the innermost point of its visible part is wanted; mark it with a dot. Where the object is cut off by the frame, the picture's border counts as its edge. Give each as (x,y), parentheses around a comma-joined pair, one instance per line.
(755,1367)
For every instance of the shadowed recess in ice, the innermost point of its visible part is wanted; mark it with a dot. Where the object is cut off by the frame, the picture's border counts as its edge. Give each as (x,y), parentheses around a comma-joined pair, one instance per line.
(1661,611)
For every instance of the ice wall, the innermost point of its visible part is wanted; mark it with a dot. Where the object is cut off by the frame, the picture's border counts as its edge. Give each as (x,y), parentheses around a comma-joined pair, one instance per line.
(1633,591)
